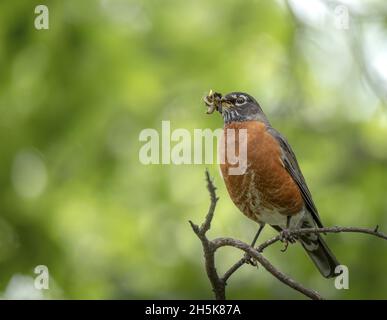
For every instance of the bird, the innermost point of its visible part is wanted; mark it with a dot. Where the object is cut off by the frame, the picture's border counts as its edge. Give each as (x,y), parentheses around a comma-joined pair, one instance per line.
(272,189)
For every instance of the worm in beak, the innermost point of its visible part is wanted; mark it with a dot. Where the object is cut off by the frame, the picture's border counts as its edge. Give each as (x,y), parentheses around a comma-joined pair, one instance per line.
(213,102)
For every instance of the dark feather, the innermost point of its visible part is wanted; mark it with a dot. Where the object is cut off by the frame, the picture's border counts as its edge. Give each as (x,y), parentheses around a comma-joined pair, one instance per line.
(291,165)
(313,244)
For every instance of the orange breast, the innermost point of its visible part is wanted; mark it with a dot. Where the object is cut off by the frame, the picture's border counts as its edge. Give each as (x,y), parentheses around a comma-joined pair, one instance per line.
(266,184)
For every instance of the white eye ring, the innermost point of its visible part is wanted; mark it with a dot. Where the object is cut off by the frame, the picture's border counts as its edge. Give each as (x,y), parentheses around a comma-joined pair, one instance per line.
(240,100)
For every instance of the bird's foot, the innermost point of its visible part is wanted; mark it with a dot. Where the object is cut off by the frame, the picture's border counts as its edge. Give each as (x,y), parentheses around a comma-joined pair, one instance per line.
(250,260)
(286,237)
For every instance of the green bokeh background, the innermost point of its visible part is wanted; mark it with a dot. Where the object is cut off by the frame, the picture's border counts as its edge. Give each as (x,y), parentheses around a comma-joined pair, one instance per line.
(74,98)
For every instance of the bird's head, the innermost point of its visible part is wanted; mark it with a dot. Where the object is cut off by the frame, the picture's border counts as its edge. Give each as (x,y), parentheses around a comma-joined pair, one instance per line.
(235,106)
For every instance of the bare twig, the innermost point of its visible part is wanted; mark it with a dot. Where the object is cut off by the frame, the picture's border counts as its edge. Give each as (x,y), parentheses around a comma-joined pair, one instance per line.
(222,242)
(335,229)
(211,246)
(218,285)
(234,268)
(214,199)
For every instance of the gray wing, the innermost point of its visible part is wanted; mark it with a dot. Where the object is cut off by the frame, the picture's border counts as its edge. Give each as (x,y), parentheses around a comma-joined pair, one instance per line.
(291,165)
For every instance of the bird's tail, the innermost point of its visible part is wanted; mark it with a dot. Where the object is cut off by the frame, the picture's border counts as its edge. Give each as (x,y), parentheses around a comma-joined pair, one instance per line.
(319,252)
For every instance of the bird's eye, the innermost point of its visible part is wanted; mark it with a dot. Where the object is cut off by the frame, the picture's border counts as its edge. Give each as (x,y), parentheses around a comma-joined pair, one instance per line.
(240,100)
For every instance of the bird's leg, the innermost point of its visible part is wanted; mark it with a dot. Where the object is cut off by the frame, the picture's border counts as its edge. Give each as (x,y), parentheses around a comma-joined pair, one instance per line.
(286,236)
(247,257)
(261,225)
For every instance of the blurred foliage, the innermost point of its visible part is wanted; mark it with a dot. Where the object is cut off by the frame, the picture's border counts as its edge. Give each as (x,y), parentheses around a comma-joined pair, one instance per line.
(74,98)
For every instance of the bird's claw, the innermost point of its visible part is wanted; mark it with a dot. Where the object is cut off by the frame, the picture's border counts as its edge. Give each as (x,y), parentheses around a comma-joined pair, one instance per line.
(286,237)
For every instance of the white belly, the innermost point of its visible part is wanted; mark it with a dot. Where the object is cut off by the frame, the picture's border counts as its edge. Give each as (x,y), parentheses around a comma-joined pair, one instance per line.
(275,218)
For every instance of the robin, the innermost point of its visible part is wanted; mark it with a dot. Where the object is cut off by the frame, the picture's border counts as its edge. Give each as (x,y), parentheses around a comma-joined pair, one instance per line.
(272,189)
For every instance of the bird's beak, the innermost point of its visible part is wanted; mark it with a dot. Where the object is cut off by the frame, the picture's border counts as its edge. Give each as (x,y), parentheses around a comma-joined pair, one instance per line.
(226,104)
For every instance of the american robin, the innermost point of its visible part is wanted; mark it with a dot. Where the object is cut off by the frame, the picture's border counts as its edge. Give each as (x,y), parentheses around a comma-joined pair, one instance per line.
(272,190)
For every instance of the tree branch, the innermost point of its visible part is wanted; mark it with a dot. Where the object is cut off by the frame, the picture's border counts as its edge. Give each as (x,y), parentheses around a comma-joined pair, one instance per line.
(218,286)
(211,246)
(335,229)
